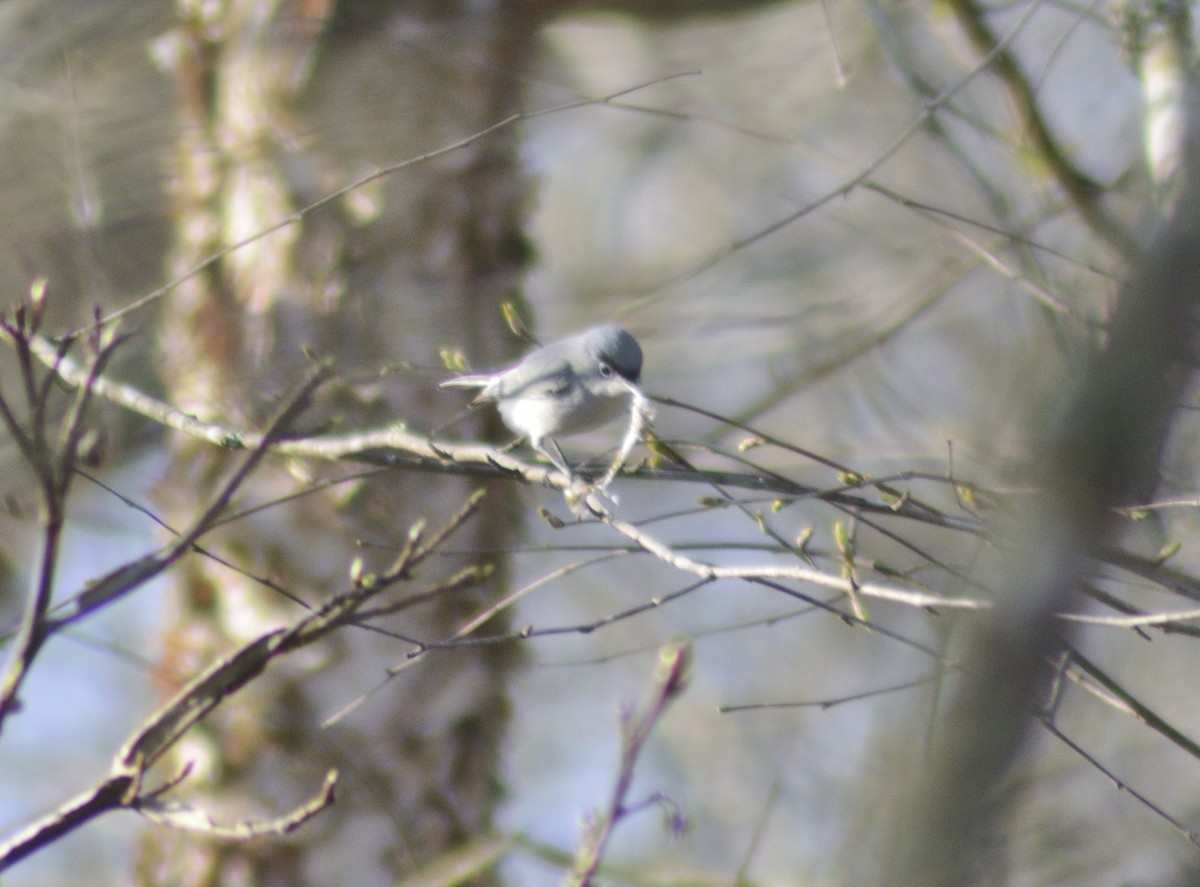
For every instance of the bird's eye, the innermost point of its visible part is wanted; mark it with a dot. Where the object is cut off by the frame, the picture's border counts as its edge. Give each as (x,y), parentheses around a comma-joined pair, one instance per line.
(605,370)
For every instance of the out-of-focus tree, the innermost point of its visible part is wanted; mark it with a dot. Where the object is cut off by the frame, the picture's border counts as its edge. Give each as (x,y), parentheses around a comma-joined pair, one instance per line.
(276,102)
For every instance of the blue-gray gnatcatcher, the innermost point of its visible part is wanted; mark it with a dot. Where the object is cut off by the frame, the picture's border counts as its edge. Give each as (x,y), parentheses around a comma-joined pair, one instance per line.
(568,386)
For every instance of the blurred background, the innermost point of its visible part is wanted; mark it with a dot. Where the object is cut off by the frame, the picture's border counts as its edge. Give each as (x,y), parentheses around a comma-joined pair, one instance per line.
(854,226)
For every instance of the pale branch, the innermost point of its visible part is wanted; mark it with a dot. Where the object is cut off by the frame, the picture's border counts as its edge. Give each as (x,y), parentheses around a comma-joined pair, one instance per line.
(794,572)
(396,446)
(186,818)
(852,619)
(464,634)
(1136,620)
(119,792)
(112,793)
(1113,602)
(129,576)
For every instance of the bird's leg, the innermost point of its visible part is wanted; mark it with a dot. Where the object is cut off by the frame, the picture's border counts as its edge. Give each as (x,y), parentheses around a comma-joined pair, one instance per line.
(549,448)
(577,486)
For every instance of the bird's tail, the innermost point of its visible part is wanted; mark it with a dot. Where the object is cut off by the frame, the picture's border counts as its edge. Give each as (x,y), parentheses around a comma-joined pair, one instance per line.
(479,381)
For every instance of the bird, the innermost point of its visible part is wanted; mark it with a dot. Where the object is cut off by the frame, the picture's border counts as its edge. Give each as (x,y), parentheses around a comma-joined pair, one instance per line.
(563,388)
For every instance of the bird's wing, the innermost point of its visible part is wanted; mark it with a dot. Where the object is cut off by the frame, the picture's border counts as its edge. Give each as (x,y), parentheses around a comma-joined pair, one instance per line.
(547,377)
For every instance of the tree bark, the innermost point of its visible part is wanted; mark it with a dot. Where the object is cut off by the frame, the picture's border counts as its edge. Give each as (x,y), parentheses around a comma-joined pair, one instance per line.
(281,103)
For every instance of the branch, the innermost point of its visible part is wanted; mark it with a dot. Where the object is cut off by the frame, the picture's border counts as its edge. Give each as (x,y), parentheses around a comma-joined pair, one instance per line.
(110,794)
(396,447)
(165,727)
(127,577)
(52,459)
(670,679)
(1084,193)
(451,456)
(228,675)
(927,113)
(798,573)
(185,818)
(381,172)
(1100,456)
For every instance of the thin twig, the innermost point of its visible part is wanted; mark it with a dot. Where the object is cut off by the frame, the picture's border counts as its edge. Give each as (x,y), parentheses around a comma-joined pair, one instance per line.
(186,818)
(1084,193)
(1120,784)
(160,732)
(52,462)
(670,679)
(381,172)
(907,132)
(127,577)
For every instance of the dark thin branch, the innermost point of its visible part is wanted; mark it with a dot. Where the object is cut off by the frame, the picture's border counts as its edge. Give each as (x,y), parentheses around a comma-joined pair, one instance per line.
(382,172)
(1137,709)
(52,462)
(1085,193)
(127,577)
(1120,784)
(165,727)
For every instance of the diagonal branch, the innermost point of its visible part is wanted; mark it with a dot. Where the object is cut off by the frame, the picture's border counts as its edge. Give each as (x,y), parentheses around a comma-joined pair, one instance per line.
(122,788)
(1085,193)
(794,572)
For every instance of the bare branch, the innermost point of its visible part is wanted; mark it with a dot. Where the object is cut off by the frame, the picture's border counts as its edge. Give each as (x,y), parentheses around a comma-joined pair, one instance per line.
(127,577)
(395,446)
(185,818)
(670,679)
(771,571)
(52,461)
(111,794)
(1121,784)
(165,727)
(380,173)
(1083,192)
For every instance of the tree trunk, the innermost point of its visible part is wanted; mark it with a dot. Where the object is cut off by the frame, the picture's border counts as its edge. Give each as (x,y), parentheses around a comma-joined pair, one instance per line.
(280,104)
